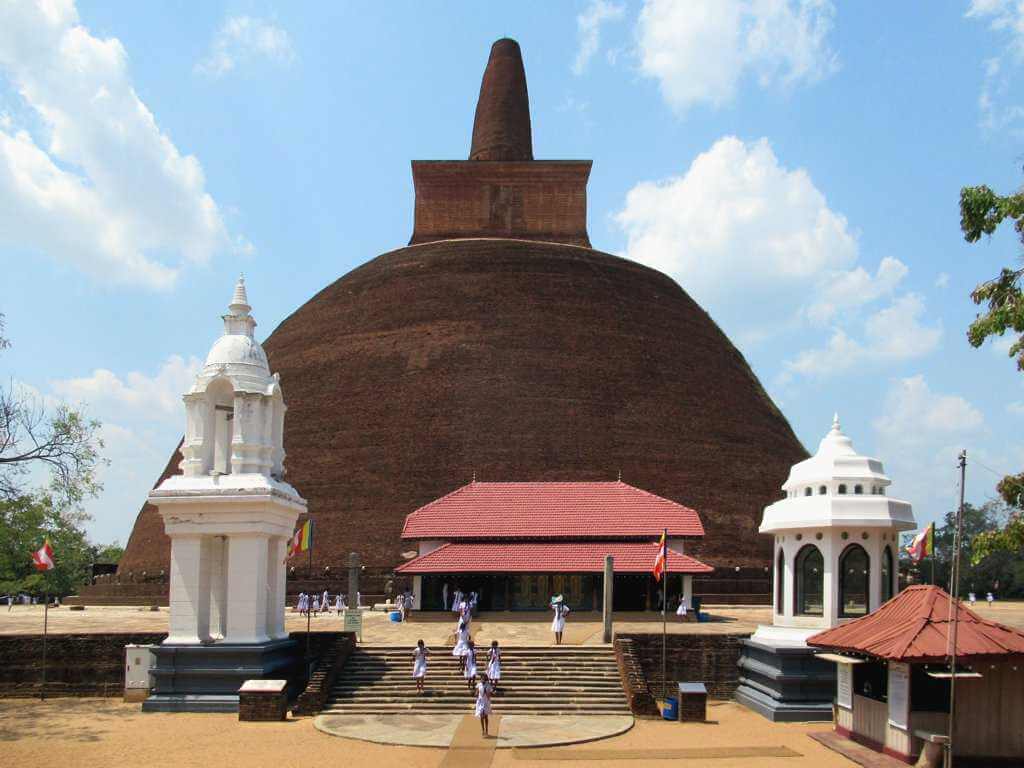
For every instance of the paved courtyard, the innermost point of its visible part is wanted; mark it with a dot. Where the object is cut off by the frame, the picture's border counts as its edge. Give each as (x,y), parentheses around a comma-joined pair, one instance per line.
(507,628)
(87,732)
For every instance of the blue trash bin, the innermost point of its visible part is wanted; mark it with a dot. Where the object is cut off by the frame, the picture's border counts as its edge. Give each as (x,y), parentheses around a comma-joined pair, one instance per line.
(671,711)
(395,616)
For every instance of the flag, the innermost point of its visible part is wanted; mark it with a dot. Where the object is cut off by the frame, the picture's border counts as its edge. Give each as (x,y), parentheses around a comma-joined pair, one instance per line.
(302,540)
(923,544)
(43,557)
(660,560)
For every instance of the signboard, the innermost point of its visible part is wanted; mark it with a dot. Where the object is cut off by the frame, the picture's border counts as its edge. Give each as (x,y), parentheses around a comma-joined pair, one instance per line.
(844,685)
(899,695)
(354,623)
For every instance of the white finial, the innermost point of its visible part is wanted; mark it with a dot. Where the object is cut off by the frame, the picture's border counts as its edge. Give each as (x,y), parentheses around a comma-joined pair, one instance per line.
(240,301)
(835,422)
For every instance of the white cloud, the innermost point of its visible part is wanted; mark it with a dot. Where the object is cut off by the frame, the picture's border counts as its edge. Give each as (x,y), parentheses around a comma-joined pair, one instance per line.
(919,434)
(738,229)
(855,288)
(110,396)
(588,29)
(1016,408)
(891,334)
(243,38)
(997,109)
(701,49)
(942,280)
(101,187)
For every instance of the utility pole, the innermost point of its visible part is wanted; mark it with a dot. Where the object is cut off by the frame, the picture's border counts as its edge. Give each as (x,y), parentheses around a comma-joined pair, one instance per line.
(954,607)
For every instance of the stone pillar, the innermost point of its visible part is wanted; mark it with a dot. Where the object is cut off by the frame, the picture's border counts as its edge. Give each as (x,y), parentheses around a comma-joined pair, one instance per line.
(216,547)
(275,624)
(189,592)
(353,578)
(609,585)
(688,591)
(417,592)
(247,592)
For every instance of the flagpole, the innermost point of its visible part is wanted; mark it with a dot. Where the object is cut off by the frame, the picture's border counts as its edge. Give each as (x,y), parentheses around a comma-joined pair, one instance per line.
(309,608)
(954,602)
(46,616)
(664,601)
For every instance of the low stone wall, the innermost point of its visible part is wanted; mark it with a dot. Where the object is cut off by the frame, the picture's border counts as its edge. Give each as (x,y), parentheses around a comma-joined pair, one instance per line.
(332,653)
(634,682)
(77,665)
(708,659)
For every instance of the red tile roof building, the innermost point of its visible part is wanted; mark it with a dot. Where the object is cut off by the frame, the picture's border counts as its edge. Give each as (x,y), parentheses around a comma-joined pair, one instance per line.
(525,539)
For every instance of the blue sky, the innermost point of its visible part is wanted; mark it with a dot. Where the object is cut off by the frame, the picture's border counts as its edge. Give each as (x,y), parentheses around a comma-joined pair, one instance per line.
(794,165)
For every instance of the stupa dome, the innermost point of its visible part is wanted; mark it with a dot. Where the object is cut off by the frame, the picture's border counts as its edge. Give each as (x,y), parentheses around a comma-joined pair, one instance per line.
(500,343)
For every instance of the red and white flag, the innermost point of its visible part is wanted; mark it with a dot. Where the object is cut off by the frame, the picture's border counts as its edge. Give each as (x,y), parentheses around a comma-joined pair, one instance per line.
(660,560)
(43,557)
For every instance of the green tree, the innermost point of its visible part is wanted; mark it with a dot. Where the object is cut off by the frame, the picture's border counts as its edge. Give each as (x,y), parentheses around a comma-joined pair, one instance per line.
(108,553)
(25,522)
(982,211)
(979,575)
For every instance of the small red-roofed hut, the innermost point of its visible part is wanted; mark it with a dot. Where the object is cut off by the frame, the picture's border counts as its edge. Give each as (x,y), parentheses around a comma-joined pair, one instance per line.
(517,544)
(894,676)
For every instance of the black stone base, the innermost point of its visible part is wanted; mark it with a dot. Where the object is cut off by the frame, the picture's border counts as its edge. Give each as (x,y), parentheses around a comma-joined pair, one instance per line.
(785,684)
(206,678)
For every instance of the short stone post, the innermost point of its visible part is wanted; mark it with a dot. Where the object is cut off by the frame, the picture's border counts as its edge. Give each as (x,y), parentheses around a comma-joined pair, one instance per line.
(353,579)
(609,576)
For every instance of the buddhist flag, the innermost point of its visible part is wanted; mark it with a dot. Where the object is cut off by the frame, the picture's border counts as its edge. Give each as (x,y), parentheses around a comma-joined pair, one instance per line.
(662,558)
(923,544)
(43,557)
(302,540)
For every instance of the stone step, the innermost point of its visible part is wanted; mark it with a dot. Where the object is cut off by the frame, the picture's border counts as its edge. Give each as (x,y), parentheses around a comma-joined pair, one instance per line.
(426,707)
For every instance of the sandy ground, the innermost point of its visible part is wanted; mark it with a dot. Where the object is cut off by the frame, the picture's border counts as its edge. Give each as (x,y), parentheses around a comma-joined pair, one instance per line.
(435,629)
(106,732)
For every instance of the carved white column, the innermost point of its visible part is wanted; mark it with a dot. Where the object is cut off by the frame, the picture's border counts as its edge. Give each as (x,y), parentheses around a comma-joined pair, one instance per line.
(217,546)
(247,592)
(276,585)
(189,592)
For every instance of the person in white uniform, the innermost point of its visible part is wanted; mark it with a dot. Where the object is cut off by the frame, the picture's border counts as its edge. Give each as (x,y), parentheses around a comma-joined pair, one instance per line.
(494,663)
(339,603)
(457,600)
(681,610)
(461,644)
(325,603)
(316,604)
(469,671)
(419,664)
(558,623)
(482,710)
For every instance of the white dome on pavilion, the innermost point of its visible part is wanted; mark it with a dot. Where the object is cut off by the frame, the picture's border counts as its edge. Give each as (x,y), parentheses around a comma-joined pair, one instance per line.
(837,487)
(236,355)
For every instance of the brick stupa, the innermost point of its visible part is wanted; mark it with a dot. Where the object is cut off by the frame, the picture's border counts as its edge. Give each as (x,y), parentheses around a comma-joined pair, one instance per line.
(498,342)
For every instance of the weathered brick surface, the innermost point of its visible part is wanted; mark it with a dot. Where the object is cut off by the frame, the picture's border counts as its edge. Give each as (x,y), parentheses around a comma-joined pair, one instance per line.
(634,682)
(708,659)
(262,706)
(693,707)
(77,665)
(333,651)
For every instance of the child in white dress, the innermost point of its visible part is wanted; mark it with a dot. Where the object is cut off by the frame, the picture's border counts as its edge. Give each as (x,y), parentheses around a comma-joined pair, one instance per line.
(484,689)
(494,664)
(316,605)
(469,671)
(339,604)
(558,624)
(461,644)
(681,610)
(419,664)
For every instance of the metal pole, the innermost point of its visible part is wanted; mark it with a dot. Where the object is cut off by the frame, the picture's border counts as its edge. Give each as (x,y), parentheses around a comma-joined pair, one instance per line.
(309,608)
(955,608)
(664,630)
(46,616)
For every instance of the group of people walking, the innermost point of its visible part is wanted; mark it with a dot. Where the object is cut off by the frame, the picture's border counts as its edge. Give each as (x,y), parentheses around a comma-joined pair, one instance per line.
(315,604)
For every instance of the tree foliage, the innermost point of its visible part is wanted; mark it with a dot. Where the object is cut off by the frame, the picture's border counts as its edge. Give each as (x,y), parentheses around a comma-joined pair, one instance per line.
(63,441)
(25,522)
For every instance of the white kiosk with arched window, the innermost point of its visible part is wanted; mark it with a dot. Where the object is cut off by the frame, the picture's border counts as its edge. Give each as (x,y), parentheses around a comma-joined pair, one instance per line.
(229,515)
(836,549)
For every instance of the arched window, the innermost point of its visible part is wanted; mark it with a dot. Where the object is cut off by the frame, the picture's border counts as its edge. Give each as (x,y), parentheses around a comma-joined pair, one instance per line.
(842,488)
(854,576)
(808,491)
(821,490)
(887,574)
(858,489)
(780,582)
(809,595)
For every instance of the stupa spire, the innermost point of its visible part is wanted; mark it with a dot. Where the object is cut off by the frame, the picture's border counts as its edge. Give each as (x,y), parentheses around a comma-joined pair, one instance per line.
(238,321)
(501,128)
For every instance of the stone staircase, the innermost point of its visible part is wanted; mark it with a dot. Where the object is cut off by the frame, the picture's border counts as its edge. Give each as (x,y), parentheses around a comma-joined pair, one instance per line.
(534,680)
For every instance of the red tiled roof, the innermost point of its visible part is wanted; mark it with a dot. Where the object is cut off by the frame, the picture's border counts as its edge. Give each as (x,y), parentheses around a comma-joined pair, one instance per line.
(915,625)
(550,510)
(548,557)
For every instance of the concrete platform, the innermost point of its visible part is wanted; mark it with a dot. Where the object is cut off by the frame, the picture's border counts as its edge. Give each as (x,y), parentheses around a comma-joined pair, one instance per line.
(421,730)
